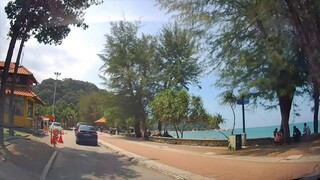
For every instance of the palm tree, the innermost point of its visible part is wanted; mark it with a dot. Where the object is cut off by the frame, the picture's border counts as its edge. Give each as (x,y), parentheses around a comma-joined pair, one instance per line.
(228,98)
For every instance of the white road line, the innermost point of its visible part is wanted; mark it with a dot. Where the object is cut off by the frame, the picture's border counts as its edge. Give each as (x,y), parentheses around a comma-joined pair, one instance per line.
(46,169)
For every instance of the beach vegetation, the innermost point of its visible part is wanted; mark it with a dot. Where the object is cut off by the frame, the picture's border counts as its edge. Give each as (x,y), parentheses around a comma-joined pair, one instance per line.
(228,98)
(178,108)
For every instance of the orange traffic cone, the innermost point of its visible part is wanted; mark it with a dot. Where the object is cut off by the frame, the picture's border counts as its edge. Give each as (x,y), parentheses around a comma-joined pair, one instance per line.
(60,139)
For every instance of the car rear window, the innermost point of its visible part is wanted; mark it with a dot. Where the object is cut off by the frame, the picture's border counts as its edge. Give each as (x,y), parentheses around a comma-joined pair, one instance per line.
(86,128)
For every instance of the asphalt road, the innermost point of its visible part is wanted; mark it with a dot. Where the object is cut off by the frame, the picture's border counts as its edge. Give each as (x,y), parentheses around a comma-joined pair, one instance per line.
(95,162)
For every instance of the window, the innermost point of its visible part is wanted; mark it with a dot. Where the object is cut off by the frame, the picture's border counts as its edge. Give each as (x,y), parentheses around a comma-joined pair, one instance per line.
(30,109)
(17,105)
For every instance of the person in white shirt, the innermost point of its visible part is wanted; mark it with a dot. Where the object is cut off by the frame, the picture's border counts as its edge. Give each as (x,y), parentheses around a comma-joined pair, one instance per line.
(306,129)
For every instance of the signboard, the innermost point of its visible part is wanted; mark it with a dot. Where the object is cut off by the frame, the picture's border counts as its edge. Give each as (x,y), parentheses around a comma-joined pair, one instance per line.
(245,101)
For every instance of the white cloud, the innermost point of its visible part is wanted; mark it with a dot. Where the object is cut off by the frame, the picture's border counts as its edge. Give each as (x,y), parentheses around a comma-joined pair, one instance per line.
(77,56)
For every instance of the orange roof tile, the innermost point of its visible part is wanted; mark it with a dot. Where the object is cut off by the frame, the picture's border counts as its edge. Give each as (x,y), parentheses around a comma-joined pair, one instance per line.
(26,92)
(21,69)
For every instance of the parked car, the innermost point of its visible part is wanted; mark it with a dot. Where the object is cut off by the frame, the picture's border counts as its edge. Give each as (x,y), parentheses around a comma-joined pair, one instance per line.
(86,134)
(55,125)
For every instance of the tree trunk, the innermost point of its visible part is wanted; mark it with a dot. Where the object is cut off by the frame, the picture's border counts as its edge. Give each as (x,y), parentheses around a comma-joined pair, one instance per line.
(176,129)
(285,102)
(13,83)
(316,95)
(4,77)
(137,130)
(234,119)
(160,126)
(140,118)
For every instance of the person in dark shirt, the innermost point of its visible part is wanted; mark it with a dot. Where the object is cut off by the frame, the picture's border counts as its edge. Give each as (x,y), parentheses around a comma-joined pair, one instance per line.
(296,134)
(166,134)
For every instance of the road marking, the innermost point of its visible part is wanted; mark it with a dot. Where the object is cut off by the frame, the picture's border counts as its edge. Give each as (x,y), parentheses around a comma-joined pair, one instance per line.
(83,155)
(49,164)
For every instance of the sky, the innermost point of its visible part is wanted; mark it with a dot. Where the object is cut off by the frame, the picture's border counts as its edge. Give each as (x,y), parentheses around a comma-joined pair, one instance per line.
(77,58)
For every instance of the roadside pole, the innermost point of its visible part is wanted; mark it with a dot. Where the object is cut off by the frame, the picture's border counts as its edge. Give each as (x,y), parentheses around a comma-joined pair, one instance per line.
(242,102)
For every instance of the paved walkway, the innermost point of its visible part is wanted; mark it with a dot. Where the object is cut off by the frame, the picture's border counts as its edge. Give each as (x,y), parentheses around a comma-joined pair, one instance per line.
(190,162)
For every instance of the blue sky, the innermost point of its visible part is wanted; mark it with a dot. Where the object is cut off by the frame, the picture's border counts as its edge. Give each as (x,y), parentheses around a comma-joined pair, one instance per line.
(77,57)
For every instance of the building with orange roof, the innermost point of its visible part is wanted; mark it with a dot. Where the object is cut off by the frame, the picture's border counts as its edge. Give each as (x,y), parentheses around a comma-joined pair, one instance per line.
(24,97)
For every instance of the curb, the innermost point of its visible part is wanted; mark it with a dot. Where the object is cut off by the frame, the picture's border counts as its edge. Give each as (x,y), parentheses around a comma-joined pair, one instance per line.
(164,169)
(49,164)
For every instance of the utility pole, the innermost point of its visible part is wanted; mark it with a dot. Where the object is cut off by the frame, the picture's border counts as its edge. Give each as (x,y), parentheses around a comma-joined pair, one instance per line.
(54,92)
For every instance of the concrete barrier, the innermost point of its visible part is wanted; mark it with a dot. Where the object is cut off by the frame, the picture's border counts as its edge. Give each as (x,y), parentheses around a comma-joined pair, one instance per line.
(217,142)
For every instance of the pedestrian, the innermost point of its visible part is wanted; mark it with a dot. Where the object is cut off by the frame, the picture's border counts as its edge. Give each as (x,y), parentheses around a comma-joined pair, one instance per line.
(306,129)
(278,138)
(110,130)
(296,134)
(146,135)
(275,132)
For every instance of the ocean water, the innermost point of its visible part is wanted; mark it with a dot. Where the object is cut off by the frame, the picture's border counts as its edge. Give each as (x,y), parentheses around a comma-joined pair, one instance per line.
(257,132)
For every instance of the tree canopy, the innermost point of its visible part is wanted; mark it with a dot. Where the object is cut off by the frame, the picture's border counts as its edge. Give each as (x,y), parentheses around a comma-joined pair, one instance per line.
(252,45)
(178,108)
(139,66)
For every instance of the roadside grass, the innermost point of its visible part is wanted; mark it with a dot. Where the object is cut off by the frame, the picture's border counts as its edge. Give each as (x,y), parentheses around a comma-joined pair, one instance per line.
(16,133)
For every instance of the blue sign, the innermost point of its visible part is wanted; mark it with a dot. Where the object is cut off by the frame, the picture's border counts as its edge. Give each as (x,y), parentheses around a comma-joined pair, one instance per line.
(245,101)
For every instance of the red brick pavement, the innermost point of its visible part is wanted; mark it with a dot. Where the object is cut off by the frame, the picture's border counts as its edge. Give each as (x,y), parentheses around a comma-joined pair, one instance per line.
(209,162)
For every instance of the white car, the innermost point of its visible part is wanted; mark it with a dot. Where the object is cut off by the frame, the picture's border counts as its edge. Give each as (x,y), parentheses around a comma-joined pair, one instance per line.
(55,125)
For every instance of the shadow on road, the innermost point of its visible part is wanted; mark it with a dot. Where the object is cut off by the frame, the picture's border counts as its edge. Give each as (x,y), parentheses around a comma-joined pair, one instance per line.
(87,164)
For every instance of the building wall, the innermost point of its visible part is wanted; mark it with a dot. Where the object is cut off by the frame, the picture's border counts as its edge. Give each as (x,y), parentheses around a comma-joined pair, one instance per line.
(24,120)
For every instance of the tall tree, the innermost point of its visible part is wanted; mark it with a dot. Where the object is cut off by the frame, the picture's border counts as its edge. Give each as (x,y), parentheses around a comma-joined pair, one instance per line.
(252,48)
(48,21)
(130,66)
(304,16)
(228,98)
(179,61)
(179,57)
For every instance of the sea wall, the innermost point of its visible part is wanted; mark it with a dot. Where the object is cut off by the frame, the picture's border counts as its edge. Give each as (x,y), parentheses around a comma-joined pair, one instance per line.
(218,142)
(210,142)
(190,142)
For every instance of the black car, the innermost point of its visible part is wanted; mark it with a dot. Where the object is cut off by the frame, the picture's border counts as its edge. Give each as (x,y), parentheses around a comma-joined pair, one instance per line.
(79,124)
(86,134)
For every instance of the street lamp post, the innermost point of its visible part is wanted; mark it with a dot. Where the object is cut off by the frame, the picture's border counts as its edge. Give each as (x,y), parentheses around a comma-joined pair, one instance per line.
(54,92)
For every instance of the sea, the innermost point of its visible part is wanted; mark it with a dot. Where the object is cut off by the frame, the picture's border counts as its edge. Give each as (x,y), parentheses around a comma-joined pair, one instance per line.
(256,132)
